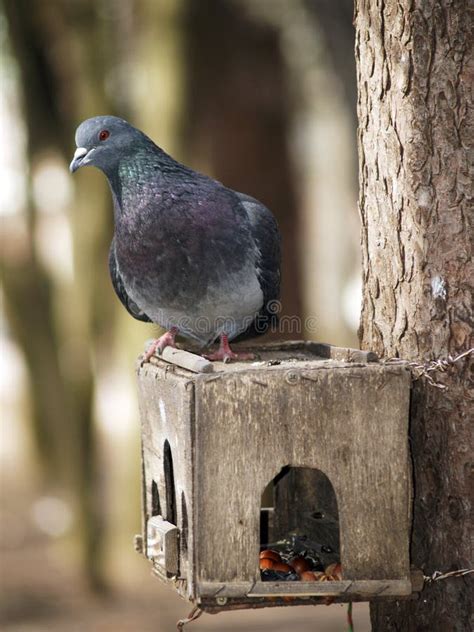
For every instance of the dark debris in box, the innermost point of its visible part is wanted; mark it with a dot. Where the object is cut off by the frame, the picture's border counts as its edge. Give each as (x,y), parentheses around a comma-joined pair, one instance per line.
(299,559)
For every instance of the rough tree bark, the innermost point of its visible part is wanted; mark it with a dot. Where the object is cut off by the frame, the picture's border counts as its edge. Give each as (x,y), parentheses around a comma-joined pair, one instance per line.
(415,99)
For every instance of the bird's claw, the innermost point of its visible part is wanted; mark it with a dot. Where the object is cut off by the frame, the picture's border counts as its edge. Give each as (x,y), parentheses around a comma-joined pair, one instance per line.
(158,345)
(225,353)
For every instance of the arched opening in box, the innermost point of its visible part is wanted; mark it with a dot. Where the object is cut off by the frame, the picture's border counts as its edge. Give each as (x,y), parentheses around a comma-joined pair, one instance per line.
(299,527)
(169,484)
(184,525)
(155,500)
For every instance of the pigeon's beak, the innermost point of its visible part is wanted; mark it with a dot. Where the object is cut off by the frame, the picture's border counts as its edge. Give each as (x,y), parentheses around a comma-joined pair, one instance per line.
(78,159)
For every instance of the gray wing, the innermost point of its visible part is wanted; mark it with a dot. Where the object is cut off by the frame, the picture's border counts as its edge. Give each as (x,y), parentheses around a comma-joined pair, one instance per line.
(119,288)
(265,232)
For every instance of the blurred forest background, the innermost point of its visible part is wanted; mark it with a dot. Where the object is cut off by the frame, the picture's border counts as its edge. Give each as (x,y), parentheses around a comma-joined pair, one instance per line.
(261,95)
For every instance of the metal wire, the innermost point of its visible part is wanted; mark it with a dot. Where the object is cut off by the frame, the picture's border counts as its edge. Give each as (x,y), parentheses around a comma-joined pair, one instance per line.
(438,575)
(195,613)
(420,369)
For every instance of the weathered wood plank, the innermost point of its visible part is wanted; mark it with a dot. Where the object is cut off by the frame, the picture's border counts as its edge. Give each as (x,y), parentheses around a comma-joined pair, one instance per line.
(256,603)
(350,424)
(343,353)
(231,431)
(167,411)
(319,349)
(361,588)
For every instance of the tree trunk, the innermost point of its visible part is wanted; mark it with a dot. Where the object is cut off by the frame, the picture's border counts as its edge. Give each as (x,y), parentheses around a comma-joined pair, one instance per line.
(415,86)
(238,117)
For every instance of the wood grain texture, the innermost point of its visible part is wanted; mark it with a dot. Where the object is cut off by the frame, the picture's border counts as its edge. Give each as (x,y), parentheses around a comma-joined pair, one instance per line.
(232,431)
(252,430)
(167,414)
(359,588)
(416,133)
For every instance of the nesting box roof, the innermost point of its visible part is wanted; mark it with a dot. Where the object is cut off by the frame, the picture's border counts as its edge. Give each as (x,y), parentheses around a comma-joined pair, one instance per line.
(276,354)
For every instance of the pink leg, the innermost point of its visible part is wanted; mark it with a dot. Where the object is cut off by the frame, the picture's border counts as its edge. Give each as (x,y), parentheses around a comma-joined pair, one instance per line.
(157,346)
(225,353)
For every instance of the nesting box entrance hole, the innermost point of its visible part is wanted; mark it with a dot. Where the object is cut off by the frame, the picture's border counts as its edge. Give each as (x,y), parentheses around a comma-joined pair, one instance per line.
(299,516)
(163,542)
(169,484)
(184,526)
(155,500)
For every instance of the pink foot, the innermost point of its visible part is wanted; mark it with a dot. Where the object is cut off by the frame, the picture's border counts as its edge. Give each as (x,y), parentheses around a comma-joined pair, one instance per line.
(225,353)
(157,346)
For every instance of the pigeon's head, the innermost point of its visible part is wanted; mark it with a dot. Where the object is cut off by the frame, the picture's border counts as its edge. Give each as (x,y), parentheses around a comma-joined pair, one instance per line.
(101,141)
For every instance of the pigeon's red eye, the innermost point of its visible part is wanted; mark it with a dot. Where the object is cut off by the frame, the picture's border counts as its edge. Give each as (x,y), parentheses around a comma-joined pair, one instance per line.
(104,134)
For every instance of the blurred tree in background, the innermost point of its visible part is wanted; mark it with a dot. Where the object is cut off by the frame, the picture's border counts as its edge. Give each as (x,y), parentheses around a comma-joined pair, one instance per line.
(239,116)
(62,58)
(258,94)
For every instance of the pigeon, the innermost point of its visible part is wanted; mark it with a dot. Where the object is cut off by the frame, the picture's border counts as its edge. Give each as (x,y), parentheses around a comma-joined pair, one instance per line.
(188,253)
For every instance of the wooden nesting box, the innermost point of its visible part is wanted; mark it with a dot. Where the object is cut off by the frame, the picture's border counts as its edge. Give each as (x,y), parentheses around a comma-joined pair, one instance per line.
(321,432)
